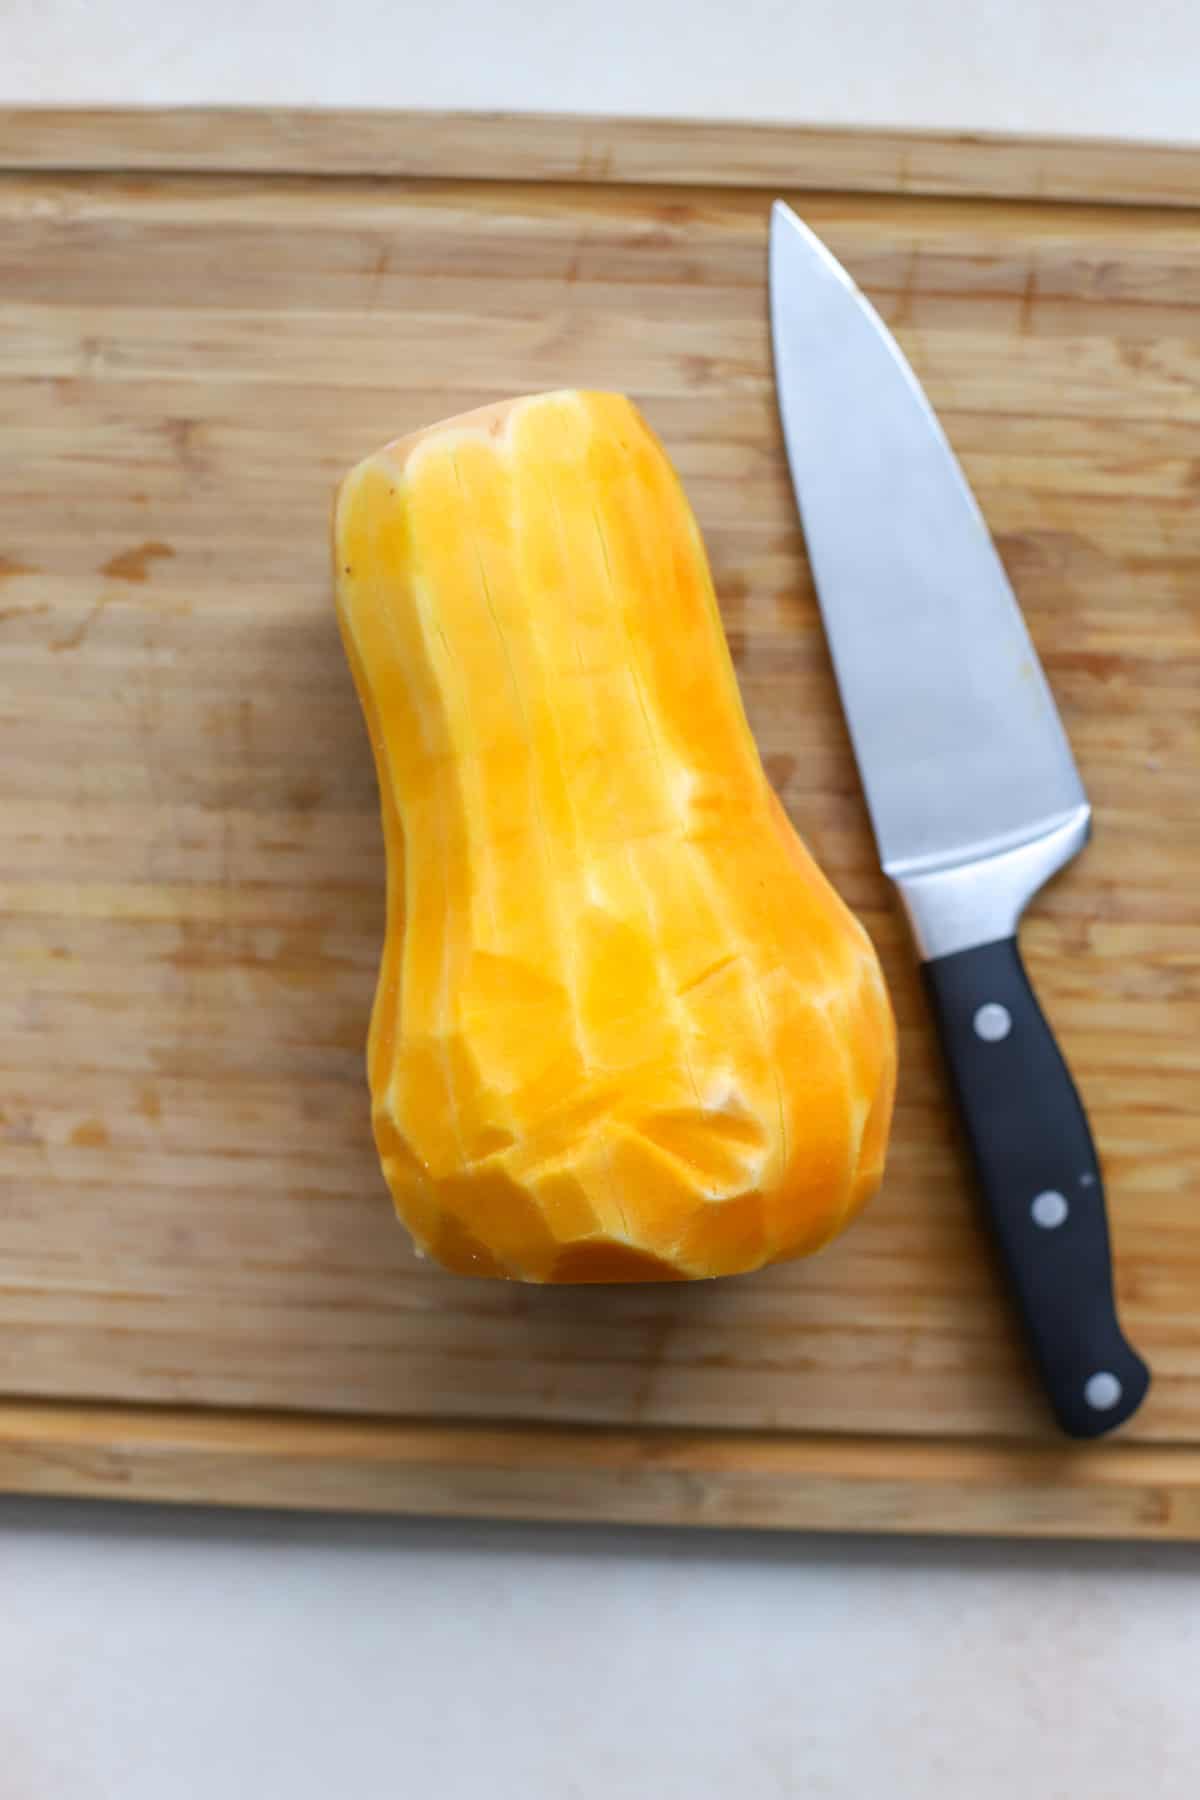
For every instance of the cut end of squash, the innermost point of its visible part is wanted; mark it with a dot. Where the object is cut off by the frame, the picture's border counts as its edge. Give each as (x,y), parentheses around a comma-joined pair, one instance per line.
(624,1029)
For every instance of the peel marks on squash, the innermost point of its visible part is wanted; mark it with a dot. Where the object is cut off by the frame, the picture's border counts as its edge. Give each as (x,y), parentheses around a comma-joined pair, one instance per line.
(624,1027)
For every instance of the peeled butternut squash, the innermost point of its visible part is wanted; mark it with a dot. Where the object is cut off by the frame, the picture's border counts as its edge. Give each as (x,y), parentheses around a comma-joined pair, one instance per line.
(624,1030)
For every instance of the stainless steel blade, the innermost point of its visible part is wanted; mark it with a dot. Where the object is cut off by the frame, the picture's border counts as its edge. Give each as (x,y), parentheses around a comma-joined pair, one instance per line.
(959,745)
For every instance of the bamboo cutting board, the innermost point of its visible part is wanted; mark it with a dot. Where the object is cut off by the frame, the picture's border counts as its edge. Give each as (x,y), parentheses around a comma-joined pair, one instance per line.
(204,318)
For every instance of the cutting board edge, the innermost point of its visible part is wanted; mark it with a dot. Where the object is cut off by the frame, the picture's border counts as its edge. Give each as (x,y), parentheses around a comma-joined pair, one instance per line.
(595,149)
(589,1475)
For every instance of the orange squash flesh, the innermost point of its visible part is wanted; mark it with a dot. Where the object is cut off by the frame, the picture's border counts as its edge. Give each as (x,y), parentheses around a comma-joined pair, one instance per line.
(624,1029)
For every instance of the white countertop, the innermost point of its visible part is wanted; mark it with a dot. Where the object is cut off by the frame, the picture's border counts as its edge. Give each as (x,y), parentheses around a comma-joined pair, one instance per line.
(149,1655)
(1086,67)
(152,1655)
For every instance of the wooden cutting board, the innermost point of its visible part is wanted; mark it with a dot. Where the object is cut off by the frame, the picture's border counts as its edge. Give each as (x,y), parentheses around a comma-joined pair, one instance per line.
(204,318)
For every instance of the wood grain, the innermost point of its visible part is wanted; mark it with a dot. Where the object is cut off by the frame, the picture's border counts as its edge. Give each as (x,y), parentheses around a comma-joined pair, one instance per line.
(191,1215)
(564,147)
(814,1480)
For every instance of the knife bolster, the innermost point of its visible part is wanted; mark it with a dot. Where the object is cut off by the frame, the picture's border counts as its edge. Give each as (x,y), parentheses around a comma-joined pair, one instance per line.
(957,906)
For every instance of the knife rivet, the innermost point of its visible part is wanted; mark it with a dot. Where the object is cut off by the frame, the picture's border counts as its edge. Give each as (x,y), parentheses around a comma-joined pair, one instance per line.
(992,1022)
(1049,1209)
(1102,1391)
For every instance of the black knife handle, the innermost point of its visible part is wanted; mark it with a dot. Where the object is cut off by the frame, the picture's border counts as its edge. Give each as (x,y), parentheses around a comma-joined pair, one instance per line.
(1040,1180)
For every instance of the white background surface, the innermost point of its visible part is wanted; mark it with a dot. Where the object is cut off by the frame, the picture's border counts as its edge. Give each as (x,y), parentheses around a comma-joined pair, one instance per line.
(146,1655)
(153,1655)
(1114,68)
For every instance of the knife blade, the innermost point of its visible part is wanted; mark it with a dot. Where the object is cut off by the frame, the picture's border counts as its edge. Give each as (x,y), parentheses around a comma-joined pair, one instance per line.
(971,786)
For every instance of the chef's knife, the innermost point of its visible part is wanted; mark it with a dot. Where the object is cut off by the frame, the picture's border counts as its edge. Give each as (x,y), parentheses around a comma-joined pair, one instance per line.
(973,793)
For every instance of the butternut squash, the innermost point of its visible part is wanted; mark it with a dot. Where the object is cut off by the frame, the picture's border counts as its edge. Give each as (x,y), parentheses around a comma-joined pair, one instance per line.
(624,1029)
